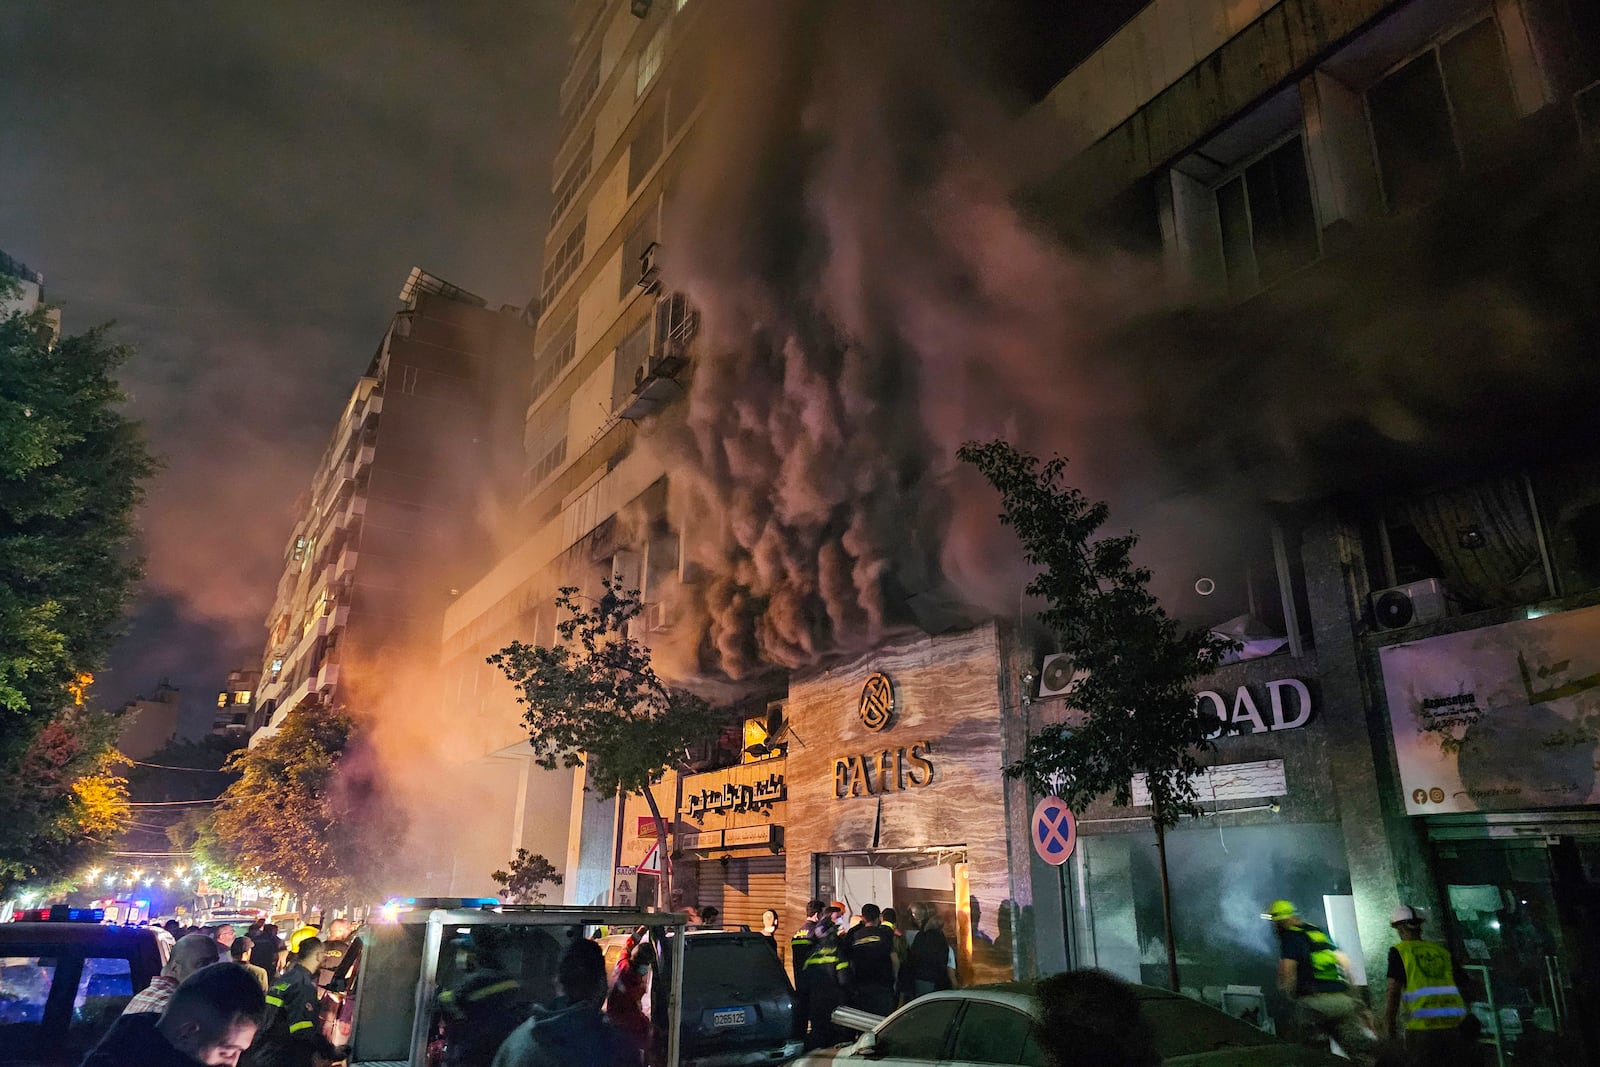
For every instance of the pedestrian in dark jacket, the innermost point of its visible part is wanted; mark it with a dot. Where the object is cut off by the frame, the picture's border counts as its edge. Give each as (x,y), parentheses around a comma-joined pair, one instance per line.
(210,1019)
(872,963)
(291,1034)
(930,962)
(571,1032)
(825,978)
(265,952)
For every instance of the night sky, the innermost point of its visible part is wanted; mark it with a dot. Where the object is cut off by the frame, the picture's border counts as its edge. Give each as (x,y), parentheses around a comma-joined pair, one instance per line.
(243,188)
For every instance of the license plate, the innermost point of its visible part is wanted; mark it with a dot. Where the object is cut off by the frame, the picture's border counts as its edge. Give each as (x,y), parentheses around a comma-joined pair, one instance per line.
(724,1017)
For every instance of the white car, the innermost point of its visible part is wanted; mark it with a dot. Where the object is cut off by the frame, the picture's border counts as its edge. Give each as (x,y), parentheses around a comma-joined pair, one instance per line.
(994,1025)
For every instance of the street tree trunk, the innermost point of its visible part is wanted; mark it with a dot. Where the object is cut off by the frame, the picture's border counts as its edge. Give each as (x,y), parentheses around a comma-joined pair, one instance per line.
(665,877)
(1166,895)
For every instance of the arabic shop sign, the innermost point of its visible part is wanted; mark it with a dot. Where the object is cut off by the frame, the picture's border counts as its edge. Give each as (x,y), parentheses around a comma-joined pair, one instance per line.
(1286,705)
(733,798)
(1500,718)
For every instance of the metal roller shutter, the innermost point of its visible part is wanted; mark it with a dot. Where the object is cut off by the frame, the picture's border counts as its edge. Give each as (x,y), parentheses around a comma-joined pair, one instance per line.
(743,889)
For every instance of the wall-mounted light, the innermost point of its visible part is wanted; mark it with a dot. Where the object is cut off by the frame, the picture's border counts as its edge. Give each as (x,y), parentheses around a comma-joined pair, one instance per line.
(1205,586)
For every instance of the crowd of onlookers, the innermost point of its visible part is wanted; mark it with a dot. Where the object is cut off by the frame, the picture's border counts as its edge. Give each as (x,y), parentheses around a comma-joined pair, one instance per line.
(226,995)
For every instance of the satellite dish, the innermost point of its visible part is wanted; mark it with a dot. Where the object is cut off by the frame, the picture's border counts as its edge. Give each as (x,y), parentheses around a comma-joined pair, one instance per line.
(1394,609)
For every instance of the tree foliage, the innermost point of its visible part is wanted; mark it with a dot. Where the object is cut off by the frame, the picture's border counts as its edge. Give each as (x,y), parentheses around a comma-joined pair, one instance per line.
(301,813)
(594,697)
(524,881)
(65,799)
(72,468)
(1134,690)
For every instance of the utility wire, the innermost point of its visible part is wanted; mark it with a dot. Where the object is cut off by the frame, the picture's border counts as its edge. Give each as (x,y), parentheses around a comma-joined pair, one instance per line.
(168,803)
(174,767)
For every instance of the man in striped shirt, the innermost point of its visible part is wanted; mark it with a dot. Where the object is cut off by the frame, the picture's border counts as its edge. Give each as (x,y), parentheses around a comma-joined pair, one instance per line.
(192,952)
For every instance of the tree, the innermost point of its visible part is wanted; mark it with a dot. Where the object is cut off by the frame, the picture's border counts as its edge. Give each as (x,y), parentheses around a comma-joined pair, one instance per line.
(524,882)
(594,697)
(72,468)
(301,814)
(65,800)
(1133,693)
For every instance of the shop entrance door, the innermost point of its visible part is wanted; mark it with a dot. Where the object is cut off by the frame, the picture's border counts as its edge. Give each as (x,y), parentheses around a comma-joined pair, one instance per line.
(1521,919)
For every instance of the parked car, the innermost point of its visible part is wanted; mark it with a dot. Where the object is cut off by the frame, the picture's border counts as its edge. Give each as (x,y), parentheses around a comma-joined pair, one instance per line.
(64,979)
(738,1004)
(994,1025)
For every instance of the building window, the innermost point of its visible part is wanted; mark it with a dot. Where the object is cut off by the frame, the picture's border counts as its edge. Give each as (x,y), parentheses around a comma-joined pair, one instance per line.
(564,262)
(549,364)
(646,148)
(222,700)
(1438,110)
(641,237)
(242,697)
(1268,221)
(650,61)
(547,451)
(632,355)
(572,179)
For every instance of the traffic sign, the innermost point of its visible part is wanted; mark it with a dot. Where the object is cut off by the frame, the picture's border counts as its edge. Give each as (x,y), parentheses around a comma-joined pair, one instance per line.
(1055,831)
(651,864)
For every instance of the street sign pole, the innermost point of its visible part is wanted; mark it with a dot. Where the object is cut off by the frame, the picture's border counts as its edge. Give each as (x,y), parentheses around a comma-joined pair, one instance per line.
(1054,830)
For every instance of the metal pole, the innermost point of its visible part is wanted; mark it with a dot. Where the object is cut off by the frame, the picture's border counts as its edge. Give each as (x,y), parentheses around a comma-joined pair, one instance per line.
(1066,915)
(675,998)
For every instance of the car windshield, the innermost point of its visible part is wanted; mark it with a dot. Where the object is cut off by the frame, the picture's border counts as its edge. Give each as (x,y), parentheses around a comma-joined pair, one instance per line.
(1182,1026)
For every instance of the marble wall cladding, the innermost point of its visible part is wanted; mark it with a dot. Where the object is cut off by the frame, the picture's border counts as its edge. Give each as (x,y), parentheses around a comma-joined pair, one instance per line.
(929,779)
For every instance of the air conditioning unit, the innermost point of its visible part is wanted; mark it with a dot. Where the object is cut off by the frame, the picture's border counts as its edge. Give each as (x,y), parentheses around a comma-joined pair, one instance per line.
(1056,675)
(1408,605)
(649,266)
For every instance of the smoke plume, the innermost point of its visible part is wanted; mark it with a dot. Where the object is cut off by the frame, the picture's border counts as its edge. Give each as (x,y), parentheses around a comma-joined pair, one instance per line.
(872,296)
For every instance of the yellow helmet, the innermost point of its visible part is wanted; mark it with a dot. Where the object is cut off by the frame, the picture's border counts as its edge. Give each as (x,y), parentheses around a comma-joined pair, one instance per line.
(1280,909)
(300,934)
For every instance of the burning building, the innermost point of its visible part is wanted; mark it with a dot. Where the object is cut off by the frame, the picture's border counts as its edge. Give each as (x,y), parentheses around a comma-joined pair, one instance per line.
(1304,290)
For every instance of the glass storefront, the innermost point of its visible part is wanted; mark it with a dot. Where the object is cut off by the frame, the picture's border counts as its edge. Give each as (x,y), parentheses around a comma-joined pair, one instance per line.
(1522,917)
(1222,879)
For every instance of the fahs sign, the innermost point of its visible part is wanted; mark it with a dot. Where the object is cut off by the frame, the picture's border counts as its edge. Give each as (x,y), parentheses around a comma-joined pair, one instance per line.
(1286,705)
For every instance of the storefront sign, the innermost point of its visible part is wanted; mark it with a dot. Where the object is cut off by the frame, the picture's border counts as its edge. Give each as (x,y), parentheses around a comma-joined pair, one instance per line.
(737,836)
(1258,780)
(886,771)
(877,702)
(1245,709)
(700,839)
(739,797)
(1500,718)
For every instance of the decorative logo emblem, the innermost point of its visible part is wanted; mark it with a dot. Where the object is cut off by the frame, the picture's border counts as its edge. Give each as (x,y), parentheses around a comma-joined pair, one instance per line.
(877,702)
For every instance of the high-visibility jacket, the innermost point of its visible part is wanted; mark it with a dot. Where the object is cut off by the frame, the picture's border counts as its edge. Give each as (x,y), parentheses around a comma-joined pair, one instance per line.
(1430,1000)
(825,964)
(1324,955)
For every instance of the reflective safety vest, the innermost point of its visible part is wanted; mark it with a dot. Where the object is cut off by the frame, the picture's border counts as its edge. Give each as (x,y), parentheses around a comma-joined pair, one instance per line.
(1431,1000)
(1324,955)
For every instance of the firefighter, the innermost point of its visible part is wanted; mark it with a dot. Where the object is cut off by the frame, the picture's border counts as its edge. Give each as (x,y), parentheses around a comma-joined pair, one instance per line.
(825,976)
(484,1004)
(800,946)
(290,1036)
(873,965)
(1422,986)
(1312,972)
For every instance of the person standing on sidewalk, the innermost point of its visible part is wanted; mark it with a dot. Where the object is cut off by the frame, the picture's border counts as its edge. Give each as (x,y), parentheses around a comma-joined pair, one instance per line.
(1313,973)
(1423,1000)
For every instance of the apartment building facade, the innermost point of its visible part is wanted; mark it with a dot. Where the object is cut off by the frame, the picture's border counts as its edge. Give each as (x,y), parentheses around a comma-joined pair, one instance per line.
(388,530)
(1410,718)
(612,347)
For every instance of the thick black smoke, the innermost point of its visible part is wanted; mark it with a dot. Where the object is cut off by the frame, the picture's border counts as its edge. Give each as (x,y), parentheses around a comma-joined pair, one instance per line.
(872,296)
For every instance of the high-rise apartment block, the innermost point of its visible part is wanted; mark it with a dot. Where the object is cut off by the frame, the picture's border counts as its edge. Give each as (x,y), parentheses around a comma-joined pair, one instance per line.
(388,527)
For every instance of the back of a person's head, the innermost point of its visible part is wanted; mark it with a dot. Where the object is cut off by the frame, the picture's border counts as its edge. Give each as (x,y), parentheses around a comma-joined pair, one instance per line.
(1090,1018)
(870,913)
(889,916)
(240,948)
(583,970)
(814,907)
(309,946)
(226,990)
(190,953)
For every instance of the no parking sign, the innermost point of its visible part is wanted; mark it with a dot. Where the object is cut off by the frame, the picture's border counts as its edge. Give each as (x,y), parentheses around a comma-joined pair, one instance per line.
(1055,831)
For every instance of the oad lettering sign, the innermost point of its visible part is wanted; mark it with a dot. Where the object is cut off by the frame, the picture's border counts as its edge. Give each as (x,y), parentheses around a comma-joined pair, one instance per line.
(1055,831)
